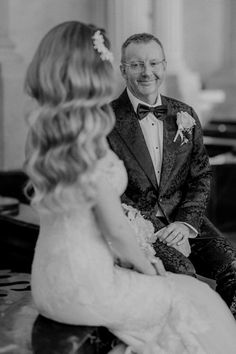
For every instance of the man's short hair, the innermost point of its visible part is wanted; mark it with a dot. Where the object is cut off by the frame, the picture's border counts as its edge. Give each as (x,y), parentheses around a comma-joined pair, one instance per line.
(140,38)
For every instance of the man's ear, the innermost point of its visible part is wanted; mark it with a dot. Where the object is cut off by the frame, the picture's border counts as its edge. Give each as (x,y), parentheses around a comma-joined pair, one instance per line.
(165,65)
(122,70)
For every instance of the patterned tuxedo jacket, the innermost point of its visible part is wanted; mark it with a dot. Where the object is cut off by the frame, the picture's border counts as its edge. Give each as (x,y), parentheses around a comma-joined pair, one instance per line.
(184,186)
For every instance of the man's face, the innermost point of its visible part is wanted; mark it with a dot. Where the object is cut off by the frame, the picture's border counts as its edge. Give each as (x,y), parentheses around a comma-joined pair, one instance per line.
(144,70)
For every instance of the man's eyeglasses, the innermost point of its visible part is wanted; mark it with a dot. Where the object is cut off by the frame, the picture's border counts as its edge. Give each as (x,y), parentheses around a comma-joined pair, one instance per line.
(138,66)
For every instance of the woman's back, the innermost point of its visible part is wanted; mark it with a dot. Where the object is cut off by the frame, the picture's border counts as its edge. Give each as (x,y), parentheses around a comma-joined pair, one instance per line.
(73,262)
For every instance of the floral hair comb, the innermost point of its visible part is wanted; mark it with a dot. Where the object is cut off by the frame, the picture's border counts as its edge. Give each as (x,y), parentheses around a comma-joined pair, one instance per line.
(98,44)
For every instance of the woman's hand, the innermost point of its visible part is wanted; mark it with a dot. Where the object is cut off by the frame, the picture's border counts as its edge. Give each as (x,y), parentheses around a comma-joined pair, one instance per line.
(158,266)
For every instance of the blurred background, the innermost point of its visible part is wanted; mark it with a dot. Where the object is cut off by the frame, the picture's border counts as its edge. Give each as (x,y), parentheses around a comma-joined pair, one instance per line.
(199,38)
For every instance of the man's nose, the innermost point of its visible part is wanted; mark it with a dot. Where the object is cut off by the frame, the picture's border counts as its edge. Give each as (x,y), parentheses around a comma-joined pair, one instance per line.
(147,69)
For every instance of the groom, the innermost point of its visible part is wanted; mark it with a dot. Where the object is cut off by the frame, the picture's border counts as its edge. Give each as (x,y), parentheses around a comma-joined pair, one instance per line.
(160,141)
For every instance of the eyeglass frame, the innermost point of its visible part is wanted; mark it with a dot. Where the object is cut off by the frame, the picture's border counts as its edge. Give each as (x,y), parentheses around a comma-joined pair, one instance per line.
(142,64)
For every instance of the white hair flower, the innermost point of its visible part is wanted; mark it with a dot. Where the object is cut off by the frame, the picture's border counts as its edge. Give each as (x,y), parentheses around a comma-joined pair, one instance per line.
(98,44)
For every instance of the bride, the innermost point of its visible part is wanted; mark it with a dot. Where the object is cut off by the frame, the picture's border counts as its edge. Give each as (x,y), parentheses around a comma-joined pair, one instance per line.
(89,267)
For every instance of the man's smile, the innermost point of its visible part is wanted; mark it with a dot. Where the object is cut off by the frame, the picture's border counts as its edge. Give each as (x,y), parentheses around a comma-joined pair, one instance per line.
(147,82)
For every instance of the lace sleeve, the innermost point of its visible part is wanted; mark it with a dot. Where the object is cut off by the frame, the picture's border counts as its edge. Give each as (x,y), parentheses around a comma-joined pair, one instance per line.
(143,229)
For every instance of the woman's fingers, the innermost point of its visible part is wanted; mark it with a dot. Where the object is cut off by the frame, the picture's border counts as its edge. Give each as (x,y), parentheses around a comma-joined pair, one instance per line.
(158,265)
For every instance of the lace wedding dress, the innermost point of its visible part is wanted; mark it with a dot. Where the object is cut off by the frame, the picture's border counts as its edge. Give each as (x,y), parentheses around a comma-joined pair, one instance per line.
(75,280)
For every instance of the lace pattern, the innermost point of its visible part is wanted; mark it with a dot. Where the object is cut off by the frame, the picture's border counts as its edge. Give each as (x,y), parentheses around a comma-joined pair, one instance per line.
(144,230)
(180,334)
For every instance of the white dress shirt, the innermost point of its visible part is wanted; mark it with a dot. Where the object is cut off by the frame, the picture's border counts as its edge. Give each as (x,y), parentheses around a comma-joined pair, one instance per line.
(152,129)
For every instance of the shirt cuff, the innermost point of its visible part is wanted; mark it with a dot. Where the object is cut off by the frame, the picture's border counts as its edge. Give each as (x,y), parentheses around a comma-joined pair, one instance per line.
(193,231)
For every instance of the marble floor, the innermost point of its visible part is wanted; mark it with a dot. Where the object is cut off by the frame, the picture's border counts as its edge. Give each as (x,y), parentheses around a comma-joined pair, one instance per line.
(24,331)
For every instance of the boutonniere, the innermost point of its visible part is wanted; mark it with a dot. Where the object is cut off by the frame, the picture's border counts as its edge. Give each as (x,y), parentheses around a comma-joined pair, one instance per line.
(185,124)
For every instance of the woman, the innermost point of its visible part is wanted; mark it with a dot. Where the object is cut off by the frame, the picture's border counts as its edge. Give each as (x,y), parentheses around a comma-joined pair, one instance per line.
(84,233)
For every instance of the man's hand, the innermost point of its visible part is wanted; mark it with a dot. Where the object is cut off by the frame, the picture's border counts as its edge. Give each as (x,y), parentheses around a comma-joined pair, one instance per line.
(175,233)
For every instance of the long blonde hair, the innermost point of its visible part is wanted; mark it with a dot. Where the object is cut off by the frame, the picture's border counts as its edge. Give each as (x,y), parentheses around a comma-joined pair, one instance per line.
(73,87)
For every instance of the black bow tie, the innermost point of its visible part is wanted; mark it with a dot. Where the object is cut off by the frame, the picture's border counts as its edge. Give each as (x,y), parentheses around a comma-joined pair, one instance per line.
(158,111)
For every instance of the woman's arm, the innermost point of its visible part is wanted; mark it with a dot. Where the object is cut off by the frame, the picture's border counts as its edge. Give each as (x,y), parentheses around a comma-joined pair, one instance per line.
(117,230)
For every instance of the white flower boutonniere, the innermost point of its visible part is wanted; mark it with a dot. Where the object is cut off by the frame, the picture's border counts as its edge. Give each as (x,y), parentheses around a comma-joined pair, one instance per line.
(185,124)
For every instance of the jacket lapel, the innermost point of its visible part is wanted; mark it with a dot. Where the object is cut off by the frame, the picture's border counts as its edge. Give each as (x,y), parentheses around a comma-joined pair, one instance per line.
(169,147)
(128,126)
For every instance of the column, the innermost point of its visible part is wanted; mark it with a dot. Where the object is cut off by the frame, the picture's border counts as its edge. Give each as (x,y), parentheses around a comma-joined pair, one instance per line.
(4,44)
(11,87)
(124,18)
(225,77)
(181,82)
(98,10)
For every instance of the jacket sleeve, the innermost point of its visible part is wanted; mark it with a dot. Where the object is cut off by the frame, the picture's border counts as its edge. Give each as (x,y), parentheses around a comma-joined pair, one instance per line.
(194,201)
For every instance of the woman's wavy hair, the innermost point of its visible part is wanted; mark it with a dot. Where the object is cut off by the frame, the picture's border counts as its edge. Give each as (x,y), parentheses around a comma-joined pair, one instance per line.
(72,86)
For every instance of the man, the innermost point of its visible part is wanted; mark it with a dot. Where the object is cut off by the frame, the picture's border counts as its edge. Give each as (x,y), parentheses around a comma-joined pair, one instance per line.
(168,168)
